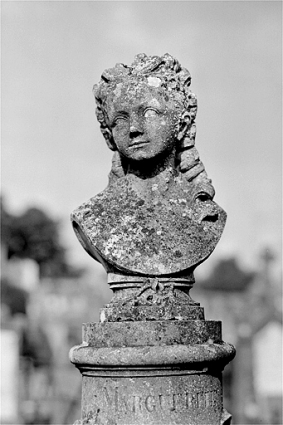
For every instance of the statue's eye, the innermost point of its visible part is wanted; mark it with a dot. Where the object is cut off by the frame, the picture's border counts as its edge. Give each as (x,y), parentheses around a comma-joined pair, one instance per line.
(150,113)
(120,119)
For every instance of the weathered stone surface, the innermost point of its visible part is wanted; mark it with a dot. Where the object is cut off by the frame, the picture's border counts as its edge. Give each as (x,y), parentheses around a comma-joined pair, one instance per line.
(132,334)
(151,312)
(133,233)
(157,216)
(153,358)
(182,399)
(138,298)
(174,384)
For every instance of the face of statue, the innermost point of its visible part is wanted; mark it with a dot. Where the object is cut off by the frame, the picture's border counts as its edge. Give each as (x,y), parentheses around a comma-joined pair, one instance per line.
(143,121)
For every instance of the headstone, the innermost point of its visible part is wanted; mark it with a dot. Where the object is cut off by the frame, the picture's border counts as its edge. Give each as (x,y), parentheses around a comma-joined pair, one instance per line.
(10,370)
(24,273)
(268,371)
(152,358)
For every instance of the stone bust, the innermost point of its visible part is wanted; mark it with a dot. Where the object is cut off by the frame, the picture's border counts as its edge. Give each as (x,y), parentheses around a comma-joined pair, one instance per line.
(157,216)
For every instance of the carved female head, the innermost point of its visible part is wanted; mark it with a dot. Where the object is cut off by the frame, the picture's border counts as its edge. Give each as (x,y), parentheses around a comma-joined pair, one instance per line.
(142,120)
(147,108)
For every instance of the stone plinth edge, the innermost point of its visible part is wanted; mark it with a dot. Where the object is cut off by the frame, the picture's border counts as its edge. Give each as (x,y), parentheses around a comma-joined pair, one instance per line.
(158,356)
(226,419)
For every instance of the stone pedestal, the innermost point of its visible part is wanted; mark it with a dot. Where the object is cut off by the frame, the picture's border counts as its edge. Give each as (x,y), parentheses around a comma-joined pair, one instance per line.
(153,359)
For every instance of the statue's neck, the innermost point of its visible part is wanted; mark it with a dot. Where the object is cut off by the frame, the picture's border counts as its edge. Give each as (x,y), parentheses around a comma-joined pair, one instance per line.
(155,175)
(150,168)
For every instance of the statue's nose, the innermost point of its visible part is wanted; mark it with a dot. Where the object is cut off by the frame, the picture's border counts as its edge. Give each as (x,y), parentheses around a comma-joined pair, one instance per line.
(135,125)
(134,131)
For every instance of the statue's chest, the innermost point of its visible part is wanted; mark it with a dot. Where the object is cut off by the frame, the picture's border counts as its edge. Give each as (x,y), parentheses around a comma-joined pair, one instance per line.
(157,236)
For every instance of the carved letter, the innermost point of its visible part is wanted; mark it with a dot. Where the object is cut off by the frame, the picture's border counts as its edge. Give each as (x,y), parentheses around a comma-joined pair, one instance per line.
(173,407)
(161,398)
(110,400)
(150,403)
(136,403)
(207,398)
(191,401)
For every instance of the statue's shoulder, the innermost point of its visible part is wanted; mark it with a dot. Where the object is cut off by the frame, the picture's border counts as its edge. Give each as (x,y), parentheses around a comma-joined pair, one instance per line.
(95,220)
(84,219)
(110,199)
(87,208)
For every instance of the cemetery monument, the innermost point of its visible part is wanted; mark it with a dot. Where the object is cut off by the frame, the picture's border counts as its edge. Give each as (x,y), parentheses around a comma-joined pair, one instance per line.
(153,358)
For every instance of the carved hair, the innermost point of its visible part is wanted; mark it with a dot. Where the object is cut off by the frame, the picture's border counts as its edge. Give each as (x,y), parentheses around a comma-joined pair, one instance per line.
(176,82)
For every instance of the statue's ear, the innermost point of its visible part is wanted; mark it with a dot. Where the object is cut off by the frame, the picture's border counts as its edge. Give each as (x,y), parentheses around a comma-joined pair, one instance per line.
(184,125)
(109,139)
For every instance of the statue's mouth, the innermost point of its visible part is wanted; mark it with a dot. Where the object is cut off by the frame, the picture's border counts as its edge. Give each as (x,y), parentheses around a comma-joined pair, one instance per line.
(136,143)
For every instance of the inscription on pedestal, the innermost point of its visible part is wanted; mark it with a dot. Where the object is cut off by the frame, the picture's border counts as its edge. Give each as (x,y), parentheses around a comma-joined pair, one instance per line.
(131,400)
(172,402)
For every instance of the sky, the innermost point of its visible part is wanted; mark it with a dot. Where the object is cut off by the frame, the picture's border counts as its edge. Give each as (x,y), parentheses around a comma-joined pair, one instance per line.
(53,154)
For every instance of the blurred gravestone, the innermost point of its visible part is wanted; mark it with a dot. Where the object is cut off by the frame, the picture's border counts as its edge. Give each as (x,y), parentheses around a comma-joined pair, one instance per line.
(10,370)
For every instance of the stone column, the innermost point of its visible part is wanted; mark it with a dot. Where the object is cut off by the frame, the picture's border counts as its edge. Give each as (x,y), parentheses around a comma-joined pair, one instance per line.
(152,358)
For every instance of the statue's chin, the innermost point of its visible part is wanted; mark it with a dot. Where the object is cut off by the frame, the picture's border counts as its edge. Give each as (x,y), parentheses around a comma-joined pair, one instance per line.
(146,158)
(141,153)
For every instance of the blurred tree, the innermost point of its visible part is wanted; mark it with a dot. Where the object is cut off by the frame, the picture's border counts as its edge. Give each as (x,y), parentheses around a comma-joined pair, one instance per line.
(227,276)
(15,298)
(6,222)
(35,235)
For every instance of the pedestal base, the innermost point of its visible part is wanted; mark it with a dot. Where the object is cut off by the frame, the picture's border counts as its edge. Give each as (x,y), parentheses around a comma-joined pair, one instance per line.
(153,385)
(162,371)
